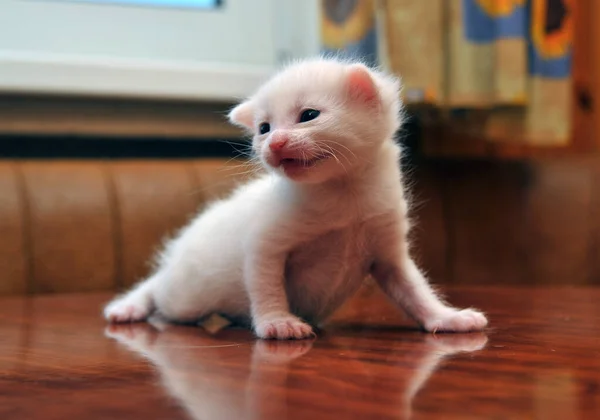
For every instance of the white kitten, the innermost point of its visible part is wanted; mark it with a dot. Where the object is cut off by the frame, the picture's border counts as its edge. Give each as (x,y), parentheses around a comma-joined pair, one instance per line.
(287,249)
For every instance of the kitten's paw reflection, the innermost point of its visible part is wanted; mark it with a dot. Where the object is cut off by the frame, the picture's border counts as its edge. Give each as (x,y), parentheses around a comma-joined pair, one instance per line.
(277,351)
(437,348)
(135,336)
(449,344)
(466,320)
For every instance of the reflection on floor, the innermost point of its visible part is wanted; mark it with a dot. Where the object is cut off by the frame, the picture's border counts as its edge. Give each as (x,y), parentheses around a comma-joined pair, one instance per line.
(209,387)
(539,359)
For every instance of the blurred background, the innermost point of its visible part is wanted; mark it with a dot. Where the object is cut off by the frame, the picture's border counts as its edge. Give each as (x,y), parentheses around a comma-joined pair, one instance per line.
(112,128)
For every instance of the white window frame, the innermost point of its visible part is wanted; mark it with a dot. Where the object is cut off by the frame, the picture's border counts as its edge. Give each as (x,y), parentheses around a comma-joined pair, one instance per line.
(295,25)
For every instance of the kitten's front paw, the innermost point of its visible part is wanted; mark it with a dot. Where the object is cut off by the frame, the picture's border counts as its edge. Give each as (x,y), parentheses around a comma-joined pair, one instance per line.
(283,327)
(126,310)
(458,321)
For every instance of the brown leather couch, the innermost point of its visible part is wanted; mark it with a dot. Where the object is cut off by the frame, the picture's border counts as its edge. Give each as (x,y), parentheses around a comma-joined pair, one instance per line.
(93,225)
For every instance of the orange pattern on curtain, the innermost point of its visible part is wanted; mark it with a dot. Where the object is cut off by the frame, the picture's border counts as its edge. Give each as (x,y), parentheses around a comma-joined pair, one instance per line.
(501,67)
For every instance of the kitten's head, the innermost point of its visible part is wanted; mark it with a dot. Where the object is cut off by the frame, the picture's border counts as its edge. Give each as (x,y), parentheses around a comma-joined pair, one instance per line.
(319,119)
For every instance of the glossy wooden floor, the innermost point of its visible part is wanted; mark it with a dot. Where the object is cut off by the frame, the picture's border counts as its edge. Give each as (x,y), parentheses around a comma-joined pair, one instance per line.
(540,359)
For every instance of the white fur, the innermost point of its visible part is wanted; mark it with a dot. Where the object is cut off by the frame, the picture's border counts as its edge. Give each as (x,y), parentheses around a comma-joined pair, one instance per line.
(288,248)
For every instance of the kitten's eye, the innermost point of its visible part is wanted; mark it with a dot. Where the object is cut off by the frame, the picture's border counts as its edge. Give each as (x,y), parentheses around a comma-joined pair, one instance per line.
(264,128)
(308,115)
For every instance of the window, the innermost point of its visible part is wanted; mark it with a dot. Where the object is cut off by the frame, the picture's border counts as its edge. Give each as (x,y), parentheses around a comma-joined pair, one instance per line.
(200,4)
(208,49)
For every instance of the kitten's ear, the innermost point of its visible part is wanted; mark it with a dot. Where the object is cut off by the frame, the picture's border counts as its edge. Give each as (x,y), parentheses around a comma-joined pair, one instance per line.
(243,115)
(360,84)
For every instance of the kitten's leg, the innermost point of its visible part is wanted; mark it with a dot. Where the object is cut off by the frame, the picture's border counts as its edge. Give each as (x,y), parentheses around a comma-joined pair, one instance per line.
(271,314)
(405,284)
(135,305)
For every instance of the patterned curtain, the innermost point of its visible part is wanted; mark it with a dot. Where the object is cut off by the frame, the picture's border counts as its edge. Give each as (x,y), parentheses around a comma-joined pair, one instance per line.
(501,67)
(349,29)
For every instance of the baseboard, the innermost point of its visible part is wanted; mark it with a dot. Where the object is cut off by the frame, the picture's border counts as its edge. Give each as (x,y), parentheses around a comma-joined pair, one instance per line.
(103,147)
(130,78)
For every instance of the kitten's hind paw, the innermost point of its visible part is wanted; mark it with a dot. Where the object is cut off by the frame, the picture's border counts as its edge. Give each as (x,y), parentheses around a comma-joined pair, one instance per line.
(126,310)
(465,320)
(283,327)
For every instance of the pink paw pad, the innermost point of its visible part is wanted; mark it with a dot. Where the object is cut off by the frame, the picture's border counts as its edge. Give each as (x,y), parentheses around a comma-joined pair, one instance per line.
(284,329)
(125,312)
(466,320)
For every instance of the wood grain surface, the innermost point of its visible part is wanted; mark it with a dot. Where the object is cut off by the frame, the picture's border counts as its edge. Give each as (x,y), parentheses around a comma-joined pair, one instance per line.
(539,359)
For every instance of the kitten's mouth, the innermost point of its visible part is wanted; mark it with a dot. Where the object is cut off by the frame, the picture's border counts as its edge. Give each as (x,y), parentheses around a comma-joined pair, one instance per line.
(297,164)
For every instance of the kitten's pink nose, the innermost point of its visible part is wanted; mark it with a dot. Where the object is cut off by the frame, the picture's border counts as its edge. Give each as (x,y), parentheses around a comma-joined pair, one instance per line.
(277,144)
